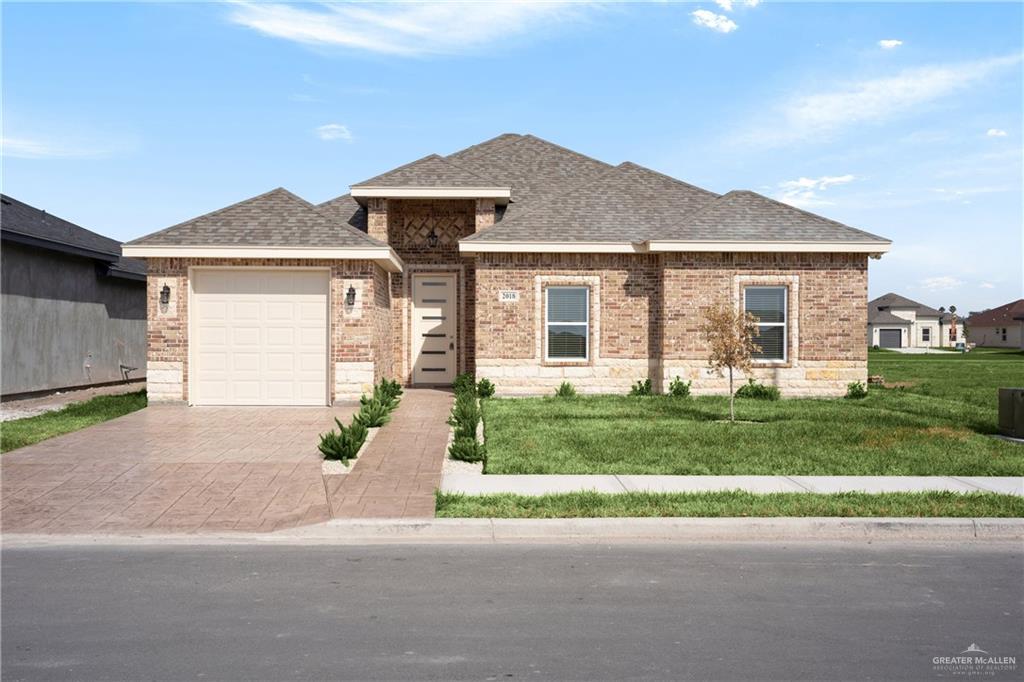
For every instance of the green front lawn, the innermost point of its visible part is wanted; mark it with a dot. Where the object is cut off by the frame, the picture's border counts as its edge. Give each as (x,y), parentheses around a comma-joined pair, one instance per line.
(21,432)
(933,425)
(731,504)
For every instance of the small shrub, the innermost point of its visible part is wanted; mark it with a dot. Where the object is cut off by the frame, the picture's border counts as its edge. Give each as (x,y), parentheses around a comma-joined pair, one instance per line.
(642,388)
(679,388)
(464,383)
(855,390)
(484,388)
(380,395)
(465,415)
(466,450)
(566,390)
(373,413)
(757,391)
(342,444)
(391,389)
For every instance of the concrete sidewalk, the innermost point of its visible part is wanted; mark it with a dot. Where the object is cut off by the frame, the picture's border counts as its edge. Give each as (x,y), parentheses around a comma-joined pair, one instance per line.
(475,484)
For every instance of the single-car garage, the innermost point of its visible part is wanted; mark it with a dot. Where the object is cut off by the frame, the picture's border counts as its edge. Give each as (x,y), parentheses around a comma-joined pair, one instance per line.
(890,338)
(259,336)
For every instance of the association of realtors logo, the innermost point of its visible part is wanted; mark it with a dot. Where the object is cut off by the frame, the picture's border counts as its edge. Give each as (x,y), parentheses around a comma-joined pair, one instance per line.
(974,662)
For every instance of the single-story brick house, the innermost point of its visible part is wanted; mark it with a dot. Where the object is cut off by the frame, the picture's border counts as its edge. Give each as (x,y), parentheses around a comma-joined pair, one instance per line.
(516,259)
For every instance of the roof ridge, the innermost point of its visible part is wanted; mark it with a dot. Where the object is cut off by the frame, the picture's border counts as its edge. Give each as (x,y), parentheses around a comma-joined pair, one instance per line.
(512,137)
(676,180)
(530,136)
(344,225)
(209,214)
(432,156)
(806,213)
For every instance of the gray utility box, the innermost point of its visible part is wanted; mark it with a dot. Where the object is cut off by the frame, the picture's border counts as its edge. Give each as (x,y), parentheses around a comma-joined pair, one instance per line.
(1011,412)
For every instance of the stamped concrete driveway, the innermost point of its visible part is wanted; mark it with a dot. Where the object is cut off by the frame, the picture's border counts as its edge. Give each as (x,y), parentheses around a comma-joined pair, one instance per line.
(171,468)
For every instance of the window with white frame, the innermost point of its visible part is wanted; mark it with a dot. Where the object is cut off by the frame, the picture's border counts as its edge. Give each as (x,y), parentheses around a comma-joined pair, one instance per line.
(568,323)
(768,305)
(926,334)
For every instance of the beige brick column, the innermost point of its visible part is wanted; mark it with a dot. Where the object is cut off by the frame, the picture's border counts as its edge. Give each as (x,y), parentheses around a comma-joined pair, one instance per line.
(377,218)
(484,214)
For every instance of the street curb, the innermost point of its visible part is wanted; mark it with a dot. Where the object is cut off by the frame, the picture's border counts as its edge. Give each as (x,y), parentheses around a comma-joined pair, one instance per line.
(581,531)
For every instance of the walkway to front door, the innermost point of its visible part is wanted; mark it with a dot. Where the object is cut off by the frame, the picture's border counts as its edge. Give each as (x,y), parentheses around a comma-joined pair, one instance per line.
(401,468)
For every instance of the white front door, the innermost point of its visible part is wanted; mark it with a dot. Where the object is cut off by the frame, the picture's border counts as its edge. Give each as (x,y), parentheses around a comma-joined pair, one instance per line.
(434,329)
(259,337)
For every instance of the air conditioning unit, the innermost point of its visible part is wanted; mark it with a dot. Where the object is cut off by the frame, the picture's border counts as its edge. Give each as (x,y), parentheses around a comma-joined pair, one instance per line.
(1011,412)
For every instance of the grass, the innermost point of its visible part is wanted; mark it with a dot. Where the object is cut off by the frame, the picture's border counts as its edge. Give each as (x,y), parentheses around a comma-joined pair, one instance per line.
(729,504)
(18,433)
(933,426)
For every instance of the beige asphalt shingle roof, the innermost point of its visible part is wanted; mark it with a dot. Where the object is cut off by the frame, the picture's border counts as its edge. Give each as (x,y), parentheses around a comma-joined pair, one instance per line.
(276,218)
(430,171)
(625,203)
(558,195)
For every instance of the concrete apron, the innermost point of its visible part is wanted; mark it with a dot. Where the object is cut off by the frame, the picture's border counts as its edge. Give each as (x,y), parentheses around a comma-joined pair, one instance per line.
(580,531)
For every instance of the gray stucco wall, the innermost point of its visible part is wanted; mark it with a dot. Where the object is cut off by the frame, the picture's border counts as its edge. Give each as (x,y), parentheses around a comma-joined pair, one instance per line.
(64,324)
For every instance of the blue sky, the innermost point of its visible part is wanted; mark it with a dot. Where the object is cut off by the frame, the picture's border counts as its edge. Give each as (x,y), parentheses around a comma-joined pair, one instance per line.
(901,119)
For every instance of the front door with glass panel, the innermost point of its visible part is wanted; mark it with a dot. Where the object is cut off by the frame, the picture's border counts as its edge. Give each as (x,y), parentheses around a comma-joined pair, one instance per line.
(434,329)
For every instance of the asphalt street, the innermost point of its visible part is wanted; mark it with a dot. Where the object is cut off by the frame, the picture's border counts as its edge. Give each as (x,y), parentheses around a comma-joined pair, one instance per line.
(726,611)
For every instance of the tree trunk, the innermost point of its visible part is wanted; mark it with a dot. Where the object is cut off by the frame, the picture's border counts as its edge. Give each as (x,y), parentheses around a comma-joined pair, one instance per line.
(732,399)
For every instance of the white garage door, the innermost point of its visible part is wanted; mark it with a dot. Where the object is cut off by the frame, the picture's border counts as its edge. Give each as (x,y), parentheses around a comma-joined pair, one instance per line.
(260,337)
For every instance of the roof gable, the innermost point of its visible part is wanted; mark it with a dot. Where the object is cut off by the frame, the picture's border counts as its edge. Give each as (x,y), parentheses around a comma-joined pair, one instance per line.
(275,218)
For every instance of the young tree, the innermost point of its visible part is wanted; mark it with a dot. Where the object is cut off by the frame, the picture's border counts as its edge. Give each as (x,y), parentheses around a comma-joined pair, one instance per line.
(730,337)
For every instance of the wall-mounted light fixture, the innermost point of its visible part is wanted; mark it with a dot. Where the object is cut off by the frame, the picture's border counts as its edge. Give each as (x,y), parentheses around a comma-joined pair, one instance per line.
(432,238)
(165,295)
(350,296)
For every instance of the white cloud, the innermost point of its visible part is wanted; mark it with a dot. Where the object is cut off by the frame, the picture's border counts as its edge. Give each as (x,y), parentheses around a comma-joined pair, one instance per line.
(334,131)
(716,22)
(889,44)
(751,3)
(996,132)
(36,148)
(803,192)
(817,115)
(986,285)
(406,29)
(726,5)
(940,283)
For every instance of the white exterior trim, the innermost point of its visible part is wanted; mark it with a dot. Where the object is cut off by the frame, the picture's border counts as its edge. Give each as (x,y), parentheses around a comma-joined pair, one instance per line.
(550,247)
(874,248)
(383,256)
(771,247)
(499,194)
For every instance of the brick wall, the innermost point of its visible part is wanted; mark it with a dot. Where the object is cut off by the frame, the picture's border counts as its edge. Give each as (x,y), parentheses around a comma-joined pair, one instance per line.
(646,312)
(409,223)
(354,329)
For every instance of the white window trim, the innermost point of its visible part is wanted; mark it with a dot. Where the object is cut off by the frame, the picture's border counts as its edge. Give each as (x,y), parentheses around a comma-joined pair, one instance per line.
(784,324)
(585,324)
(926,335)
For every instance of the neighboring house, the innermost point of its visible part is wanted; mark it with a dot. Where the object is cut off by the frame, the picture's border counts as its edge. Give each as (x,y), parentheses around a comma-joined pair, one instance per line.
(516,259)
(74,310)
(895,321)
(1002,327)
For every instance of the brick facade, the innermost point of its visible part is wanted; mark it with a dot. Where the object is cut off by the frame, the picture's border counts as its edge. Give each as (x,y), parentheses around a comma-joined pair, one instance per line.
(356,360)
(646,312)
